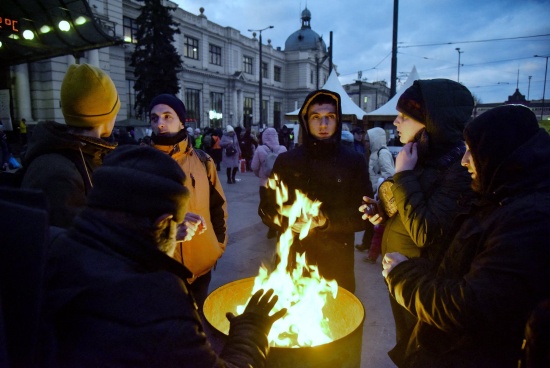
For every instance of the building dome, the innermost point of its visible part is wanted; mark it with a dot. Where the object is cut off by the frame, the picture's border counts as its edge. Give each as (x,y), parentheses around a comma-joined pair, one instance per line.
(305,38)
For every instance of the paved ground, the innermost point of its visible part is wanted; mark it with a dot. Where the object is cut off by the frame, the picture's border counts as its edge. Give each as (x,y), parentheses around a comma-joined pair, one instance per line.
(248,247)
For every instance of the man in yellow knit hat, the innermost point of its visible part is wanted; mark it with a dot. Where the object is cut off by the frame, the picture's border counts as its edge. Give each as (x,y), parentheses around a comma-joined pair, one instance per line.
(60,158)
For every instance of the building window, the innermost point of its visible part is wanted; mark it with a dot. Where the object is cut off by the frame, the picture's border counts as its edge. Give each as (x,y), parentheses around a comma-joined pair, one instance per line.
(130,111)
(265,107)
(277,115)
(130,30)
(215,54)
(216,108)
(193,105)
(247,111)
(311,77)
(277,73)
(265,72)
(247,64)
(191,48)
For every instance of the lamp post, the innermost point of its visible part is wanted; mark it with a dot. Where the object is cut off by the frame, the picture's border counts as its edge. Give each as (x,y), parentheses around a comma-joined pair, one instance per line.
(529,87)
(543,87)
(260,70)
(459,52)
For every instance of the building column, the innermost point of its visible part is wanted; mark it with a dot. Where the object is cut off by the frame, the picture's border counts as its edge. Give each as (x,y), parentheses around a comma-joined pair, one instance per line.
(93,57)
(234,111)
(23,93)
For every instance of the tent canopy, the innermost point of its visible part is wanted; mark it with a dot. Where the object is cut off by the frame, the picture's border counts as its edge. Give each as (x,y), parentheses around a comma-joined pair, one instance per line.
(387,111)
(350,111)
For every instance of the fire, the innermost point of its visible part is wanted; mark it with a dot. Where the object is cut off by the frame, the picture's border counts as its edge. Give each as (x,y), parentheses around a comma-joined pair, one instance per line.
(302,290)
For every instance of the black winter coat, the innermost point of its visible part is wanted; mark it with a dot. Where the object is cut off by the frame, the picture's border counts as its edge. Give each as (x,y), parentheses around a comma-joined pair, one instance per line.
(338,177)
(431,195)
(495,271)
(61,165)
(116,301)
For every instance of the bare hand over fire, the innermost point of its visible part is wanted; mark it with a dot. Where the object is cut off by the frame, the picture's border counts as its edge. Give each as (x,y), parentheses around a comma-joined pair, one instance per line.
(192,224)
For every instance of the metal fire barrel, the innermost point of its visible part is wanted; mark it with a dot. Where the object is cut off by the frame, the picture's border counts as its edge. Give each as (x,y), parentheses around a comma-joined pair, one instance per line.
(346,315)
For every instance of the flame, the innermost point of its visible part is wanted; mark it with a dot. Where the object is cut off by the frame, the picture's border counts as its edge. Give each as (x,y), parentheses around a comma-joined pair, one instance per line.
(302,290)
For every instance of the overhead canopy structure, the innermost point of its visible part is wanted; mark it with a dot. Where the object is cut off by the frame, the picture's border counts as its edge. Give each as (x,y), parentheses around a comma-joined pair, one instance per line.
(32,30)
(350,111)
(387,112)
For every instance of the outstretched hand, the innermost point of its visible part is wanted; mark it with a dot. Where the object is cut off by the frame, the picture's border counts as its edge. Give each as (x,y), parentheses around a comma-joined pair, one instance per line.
(261,304)
(371,211)
(317,221)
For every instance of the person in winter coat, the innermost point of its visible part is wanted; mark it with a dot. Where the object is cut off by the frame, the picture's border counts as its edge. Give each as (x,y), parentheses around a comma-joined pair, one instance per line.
(361,144)
(381,163)
(381,167)
(231,153)
(270,145)
(60,159)
(430,187)
(207,198)
(217,154)
(248,145)
(114,295)
(335,175)
(4,149)
(473,308)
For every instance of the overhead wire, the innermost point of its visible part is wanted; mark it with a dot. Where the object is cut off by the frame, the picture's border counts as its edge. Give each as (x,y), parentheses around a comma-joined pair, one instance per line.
(472,41)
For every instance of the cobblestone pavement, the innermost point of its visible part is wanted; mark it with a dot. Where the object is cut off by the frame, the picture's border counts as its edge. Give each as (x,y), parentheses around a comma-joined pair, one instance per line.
(248,247)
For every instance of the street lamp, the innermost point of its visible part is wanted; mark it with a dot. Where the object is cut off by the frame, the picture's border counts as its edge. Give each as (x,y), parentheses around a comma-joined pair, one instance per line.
(459,52)
(260,69)
(529,87)
(544,87)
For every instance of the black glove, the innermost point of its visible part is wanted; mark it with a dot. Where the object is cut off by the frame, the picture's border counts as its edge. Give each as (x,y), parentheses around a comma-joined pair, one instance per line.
(247,343)
(259,306)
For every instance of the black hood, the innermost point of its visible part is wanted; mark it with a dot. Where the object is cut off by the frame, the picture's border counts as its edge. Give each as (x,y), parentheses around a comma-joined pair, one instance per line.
(308,140)
(448,106)
(509,149)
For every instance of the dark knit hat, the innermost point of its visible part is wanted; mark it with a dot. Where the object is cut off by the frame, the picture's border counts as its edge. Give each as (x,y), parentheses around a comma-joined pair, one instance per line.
(494,135)
(140,180)
(411,103)
(175,103)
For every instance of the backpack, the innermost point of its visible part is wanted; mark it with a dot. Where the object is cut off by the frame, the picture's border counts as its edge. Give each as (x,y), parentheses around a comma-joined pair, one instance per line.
(267,165)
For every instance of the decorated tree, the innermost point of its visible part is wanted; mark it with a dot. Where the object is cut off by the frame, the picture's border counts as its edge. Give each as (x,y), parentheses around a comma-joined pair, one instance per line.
(155,60)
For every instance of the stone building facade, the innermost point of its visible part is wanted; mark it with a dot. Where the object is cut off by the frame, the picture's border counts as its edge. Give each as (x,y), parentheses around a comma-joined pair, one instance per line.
(219,80)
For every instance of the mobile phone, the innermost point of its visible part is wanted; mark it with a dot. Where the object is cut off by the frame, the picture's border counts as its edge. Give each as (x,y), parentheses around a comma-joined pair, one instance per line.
(371,209)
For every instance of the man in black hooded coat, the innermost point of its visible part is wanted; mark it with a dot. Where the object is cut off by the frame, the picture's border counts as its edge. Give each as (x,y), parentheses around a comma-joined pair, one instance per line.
(472,311)
(335,175)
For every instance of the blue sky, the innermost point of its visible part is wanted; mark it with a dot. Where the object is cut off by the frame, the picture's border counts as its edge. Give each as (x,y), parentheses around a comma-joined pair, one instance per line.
(497,38)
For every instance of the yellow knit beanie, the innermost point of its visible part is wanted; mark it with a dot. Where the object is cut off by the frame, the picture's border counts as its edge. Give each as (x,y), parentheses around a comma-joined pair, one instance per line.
(88,97)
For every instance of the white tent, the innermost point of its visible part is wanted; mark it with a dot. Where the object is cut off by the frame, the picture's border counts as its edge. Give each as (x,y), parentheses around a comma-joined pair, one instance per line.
(350,111)
(387,111)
